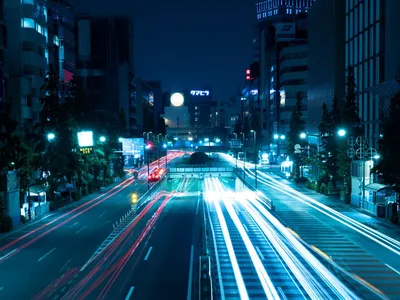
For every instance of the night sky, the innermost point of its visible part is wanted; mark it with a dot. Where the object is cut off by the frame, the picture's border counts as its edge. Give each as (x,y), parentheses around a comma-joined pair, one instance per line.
(188,43)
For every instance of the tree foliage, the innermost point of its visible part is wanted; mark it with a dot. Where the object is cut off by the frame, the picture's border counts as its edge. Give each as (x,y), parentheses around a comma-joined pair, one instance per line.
(389,164)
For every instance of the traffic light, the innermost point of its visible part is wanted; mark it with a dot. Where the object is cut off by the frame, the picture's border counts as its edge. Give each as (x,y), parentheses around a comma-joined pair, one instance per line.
(248,74)
(149,146)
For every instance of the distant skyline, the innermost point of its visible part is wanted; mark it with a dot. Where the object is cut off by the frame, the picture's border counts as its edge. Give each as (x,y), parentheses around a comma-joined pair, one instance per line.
(188,44)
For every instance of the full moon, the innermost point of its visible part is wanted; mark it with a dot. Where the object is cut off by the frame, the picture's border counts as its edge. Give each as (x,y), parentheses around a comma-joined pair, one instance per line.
(177,99)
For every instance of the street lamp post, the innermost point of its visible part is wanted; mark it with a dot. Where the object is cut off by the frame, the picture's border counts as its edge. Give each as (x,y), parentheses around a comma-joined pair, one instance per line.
(256,155)
(166,156)
(148,147)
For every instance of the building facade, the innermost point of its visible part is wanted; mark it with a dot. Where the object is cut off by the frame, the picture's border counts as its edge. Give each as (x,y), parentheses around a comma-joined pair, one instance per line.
(326,59)
(278,32)
(60,52)
(26,56)
(372,46)
(293,82)
(3,52)
(98,62)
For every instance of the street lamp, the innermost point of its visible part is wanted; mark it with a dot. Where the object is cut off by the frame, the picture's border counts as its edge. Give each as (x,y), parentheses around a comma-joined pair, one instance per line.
(148,147)
(276,136)
(283,137)
(102,139)
(256,156)
(303,135)
(166,156)
(341,132)
(51,136)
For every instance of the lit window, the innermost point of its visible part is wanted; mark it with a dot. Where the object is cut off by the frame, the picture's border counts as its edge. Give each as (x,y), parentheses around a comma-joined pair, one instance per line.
(28,1)
(39,28)
(46,55)
(56,41)
(196,119)
(27,23)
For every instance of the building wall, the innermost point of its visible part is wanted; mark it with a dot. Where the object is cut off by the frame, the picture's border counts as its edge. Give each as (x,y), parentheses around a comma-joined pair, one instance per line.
(372,47)
(97,62)
(326,58)
(177,117)
(26,61)
(60,53)
(293,69)
(3,60)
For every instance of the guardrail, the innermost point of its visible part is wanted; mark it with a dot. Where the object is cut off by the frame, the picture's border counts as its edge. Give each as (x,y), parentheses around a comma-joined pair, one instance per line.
(268,202)
(200,169)
(151,192)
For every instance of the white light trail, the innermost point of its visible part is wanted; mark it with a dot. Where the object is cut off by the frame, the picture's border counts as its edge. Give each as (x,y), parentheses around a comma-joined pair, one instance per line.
(228,242)
(265,280)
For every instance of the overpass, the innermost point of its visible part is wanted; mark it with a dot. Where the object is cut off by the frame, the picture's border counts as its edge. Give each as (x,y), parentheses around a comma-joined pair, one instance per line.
(200,172)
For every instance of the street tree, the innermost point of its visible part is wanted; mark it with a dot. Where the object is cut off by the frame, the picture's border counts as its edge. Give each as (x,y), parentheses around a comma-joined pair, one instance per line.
(389,164)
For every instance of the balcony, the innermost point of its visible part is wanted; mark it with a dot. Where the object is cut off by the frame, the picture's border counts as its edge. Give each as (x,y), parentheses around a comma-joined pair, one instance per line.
(33,59)
(31,35)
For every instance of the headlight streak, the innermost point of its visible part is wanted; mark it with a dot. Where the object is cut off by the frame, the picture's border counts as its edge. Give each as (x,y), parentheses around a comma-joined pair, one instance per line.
(307,281)
(378,237)
(228,242)
(336,285)
(265,280)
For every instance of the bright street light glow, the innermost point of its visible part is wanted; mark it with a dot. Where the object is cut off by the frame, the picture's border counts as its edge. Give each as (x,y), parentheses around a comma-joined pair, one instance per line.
(303,135)
(276,136)
(283,137)
(120,140)
(341,132)
(206,139)
(102,139)
(377,156)
(165,145)
(217,140)
(51,136)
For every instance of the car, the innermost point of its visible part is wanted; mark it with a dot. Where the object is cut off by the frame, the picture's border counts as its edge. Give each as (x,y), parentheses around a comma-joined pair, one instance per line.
(153,177)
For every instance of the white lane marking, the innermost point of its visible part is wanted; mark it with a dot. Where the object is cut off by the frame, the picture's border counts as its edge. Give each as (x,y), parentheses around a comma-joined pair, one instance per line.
(46,216)
(44,256)
(282,293)
(189,291)
(76,223)
(81,229)
(393,269)
(148,253)
(8,254)
(102,214)
(197,207)
(245,227)
(259,253)
(129,293)
(65,265)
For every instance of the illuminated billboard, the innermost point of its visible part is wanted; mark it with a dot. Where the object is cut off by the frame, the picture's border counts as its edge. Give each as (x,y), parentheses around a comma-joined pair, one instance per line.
(133,147)
(199,93)
(85,139)
(177,99)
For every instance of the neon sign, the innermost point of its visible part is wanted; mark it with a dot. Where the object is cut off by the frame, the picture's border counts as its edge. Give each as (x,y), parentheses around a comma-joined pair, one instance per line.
(200,93)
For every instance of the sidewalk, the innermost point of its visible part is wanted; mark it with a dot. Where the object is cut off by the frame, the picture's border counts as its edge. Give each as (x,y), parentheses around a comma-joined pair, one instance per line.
(334,202)
(68,206)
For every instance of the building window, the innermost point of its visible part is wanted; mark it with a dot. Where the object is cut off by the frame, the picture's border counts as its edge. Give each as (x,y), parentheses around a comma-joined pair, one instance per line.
(32,2)
(195,107)
(27,23)
(46,55)
(56,41)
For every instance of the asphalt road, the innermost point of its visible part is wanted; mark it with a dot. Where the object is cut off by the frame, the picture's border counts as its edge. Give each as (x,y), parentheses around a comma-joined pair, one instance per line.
(38,253)
(164,266)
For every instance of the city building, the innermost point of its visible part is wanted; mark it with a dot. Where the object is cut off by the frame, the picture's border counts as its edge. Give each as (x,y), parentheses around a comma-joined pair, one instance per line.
(281,24)
(3,51)
(97,62)
(200,105)
(158,101)
(177,117)
(293,76)
(372,46)
(225,116)
(127,97)
(144,107)
(26,57)
(60,52)
(326,59)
